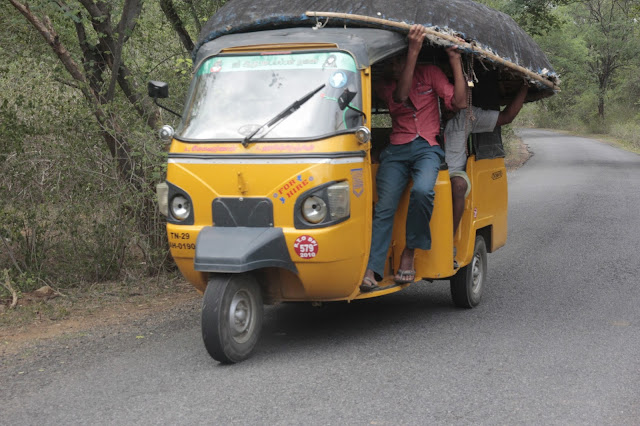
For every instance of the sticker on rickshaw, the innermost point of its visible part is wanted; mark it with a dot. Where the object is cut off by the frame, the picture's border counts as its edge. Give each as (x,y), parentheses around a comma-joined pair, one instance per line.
(357,180)
(209,148)
(291,188)
(297,147)
(216,67)
(306,247)
(338,79)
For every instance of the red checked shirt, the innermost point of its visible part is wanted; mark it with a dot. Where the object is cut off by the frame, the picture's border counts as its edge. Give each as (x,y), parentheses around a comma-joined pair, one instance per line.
(421,116)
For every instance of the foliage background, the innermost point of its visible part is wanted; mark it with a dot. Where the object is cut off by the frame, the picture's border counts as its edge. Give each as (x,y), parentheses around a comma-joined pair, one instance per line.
(70,215)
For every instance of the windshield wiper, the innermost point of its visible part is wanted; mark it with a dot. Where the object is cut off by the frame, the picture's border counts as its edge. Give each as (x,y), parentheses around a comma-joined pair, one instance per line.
(284,114)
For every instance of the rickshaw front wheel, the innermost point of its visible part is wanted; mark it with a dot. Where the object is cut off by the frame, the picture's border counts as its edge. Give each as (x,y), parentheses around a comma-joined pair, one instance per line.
(467,283)
(232,313)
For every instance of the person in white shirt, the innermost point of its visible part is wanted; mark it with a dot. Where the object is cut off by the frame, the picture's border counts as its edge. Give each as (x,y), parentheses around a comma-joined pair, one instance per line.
(457,131)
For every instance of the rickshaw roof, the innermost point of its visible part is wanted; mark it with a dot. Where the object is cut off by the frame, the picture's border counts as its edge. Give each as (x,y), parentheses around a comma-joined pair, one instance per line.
(253,22)
(367,45)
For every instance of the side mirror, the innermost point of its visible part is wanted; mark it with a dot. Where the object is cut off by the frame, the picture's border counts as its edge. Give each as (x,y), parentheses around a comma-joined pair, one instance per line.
(158,89)
(346,97)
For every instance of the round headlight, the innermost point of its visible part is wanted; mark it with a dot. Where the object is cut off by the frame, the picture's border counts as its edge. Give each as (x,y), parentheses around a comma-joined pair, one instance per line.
(363,134)
(314,209)
(180,207)
(166,133)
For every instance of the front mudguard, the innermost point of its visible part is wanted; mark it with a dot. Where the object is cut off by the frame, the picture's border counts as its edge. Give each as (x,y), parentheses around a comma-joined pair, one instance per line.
(241,249)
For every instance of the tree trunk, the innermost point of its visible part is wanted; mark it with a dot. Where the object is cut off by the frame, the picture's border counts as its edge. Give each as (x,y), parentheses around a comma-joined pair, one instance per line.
(115,140)
(172,15)
(601,106)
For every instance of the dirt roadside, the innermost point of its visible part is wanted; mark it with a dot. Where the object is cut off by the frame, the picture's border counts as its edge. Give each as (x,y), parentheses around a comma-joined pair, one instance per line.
(112,306)
(518,157)
(42,319)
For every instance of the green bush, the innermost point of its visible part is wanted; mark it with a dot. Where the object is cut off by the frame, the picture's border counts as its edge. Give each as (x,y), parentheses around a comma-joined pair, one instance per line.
(628,131)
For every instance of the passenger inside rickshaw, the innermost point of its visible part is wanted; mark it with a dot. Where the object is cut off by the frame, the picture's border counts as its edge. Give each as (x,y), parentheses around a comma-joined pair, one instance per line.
(411,93)
(482,120)
(381,120)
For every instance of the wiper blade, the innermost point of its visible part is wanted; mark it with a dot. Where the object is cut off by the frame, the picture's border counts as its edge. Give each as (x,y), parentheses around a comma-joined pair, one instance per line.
(284,114)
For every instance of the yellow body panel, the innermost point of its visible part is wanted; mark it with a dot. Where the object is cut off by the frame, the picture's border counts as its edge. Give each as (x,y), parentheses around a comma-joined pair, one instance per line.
(485,207)
(437,262)
(335,272)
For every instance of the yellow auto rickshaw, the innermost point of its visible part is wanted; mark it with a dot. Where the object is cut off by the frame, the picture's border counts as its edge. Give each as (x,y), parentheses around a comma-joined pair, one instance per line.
(270,183)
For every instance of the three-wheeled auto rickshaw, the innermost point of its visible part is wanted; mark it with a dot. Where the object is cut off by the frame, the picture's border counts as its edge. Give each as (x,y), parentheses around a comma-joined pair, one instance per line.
(270,183)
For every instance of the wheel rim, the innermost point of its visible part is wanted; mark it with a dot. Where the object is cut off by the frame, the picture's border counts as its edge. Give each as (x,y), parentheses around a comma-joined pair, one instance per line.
(477,274)
(242,318)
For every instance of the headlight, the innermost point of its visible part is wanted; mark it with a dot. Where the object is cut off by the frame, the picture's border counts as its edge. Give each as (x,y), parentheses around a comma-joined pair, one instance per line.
(323,206)
(180,207)
(162,192)
(338,196)
(314,209)
(166,133)
(363,134)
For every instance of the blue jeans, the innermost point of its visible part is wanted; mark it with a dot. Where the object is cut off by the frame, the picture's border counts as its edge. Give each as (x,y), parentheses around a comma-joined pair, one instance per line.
(416,160)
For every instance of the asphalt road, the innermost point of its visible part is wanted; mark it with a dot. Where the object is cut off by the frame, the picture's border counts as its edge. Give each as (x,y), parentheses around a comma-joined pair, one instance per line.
(556,339)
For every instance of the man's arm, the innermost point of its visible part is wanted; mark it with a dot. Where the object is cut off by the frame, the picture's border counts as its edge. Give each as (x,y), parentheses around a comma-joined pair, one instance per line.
(511,111)
(459,100)
(416,37)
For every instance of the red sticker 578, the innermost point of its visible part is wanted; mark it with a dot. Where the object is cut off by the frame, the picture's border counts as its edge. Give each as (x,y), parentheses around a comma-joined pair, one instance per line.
(306,247)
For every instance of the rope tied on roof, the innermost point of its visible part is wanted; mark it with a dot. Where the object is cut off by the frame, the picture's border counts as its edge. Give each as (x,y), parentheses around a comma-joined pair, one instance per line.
(319,24)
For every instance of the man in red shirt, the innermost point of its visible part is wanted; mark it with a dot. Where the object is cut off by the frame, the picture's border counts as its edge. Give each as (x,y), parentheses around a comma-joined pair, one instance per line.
(412,98)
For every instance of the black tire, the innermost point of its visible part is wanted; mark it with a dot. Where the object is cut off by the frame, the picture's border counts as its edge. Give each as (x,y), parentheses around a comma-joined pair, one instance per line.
(467,284)
(232,315)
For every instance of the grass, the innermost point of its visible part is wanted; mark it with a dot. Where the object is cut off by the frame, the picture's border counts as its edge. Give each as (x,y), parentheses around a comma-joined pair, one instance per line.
(620,130)
(25,314)
(627,135)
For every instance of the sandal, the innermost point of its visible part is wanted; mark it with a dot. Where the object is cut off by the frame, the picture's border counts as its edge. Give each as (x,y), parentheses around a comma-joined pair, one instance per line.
(402,274)
(368,284)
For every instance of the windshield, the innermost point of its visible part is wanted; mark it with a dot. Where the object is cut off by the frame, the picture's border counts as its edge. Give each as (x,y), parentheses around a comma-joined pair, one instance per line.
(232,96)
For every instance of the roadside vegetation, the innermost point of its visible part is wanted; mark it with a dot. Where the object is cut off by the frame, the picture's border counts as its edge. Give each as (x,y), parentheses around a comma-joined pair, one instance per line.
(79,153)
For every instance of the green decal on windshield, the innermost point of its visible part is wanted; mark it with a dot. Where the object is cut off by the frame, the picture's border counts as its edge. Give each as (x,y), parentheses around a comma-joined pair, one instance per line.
(293,61)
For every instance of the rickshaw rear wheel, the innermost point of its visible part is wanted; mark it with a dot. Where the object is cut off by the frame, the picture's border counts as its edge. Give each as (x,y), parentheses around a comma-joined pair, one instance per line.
(467,284)
(232,314)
